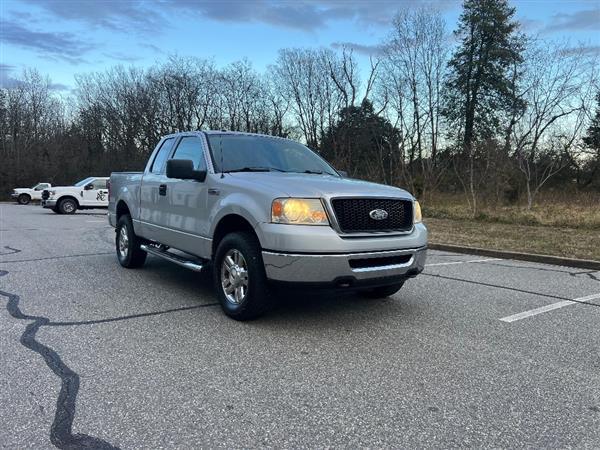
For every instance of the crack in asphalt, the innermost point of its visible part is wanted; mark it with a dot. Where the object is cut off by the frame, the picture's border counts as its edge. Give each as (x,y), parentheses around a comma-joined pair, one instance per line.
(508,288)
(11,251)
(56,257)
(61,430)
(132,316)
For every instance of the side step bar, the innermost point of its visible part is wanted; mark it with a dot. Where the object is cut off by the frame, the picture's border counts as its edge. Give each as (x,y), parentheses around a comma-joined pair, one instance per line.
(194,265)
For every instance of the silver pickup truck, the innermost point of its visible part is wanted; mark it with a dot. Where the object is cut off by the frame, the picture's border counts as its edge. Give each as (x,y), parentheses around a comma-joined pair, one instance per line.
(265,212)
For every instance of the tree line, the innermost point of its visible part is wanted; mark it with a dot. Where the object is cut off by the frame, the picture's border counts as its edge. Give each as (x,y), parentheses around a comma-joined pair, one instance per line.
(487,110)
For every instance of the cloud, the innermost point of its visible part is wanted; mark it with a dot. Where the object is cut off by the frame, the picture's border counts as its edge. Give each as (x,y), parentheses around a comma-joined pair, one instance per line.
(145,16)
(126,15)
(59,87)
(6,81)
(363,49)
(119,56)
(588,19)
(591,50)
(152,47)
(55,45)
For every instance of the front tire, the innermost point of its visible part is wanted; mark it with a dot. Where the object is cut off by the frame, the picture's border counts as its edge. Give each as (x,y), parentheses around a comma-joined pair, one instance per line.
(239,277)
(67,206)
(381,291)
(24,199)
(129,253)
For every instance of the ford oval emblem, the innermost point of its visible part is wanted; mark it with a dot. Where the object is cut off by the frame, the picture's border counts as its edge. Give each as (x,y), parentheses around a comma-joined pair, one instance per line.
(378,214)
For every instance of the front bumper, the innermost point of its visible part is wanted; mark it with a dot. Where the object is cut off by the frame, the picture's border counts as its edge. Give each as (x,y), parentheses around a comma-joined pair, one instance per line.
(345,270)
(50,203)
(15,195)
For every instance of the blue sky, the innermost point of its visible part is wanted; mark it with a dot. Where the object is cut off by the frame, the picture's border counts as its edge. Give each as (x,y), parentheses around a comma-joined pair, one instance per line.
(64,37)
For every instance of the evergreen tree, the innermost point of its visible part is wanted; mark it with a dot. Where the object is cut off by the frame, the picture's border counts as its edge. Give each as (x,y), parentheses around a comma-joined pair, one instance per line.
(478,89)
(363,143)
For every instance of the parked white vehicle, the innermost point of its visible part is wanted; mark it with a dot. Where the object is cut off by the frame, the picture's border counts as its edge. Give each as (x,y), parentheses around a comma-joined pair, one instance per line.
(86,194)
(24,195)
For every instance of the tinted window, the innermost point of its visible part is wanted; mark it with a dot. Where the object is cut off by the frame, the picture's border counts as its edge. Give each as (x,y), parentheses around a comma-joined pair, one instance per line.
(239,151)
(162,155)
(83,182)
(99,184)
(190,147)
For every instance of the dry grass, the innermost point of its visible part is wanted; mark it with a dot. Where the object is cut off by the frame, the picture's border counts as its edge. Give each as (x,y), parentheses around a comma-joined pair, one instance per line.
(552,210)
(558,226)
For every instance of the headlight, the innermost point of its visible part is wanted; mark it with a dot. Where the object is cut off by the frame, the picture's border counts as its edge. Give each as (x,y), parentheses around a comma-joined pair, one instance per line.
(418,217)
(298,211)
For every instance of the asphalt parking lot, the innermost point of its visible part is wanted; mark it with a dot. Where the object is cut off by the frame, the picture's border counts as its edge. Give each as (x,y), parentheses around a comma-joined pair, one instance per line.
(476,352)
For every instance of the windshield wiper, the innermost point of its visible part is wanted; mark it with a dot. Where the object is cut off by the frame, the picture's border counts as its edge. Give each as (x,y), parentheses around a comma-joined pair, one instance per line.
(255,169)
(317,172)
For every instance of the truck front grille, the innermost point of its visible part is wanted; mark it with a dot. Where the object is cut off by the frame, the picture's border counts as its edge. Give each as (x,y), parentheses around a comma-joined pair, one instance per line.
(354,215)
(45,194)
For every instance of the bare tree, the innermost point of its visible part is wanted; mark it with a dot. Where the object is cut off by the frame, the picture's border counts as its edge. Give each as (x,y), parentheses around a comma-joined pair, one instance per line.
(552,87)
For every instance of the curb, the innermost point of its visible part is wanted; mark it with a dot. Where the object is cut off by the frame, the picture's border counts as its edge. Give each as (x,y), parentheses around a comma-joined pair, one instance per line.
(532,257)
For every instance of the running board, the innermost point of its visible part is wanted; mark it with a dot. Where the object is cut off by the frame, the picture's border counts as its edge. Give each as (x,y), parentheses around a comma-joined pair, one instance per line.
(194,265)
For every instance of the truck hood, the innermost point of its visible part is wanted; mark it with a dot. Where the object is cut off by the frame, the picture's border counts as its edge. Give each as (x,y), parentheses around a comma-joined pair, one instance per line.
(313,185)
(58,188)
(22,190)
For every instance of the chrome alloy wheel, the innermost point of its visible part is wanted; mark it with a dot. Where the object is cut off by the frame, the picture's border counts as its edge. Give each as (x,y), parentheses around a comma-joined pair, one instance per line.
(123,242)
(234,276)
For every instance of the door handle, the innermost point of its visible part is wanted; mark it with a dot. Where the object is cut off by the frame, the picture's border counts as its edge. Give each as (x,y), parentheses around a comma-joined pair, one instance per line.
(162,189)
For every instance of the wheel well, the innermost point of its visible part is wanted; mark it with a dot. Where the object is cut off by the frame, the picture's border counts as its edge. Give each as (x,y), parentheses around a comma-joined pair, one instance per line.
(64,197)
(230,224)
(122,209)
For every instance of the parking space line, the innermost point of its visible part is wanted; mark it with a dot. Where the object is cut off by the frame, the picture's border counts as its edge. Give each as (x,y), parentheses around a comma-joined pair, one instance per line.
(463,262)
(553,306)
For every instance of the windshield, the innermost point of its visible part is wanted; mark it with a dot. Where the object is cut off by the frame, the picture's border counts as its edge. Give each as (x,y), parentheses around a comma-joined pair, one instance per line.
(83,182)
(261,153)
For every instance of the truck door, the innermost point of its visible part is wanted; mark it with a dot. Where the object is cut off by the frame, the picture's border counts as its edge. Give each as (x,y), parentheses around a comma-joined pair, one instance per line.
(187,216)
(153,196)
(95,193)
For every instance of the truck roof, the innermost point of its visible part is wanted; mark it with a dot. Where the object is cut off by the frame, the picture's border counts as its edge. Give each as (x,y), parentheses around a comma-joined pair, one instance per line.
(217,132)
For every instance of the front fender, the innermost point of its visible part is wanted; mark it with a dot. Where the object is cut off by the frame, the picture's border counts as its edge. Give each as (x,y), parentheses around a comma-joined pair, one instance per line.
(239,204)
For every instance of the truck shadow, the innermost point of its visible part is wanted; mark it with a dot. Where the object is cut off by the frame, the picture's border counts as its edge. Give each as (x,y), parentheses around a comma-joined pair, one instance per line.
(296,305)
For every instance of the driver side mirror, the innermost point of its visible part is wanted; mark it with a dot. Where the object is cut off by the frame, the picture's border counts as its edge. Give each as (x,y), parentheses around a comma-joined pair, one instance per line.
(89,187)
(184,170)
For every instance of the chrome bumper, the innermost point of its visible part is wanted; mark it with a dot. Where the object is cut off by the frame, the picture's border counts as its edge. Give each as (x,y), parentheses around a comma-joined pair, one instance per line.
(48,203)
(14,195)
(329,268)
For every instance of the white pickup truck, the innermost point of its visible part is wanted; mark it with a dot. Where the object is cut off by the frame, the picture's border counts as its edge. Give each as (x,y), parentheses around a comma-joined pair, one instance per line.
(89,193)
(24,195)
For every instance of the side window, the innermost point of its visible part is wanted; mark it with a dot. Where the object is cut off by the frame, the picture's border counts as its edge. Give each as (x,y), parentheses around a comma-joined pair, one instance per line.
(161,156)
(99,184)
(190,147)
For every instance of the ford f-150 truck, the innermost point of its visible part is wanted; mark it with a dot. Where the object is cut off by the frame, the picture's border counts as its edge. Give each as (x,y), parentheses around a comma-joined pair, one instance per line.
(264,211)
(88,193)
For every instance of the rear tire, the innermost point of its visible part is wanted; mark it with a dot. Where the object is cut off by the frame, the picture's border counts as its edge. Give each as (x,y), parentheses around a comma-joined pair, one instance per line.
(239,277)
(382,291)
(127,244)
(24,199)
(67,206)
